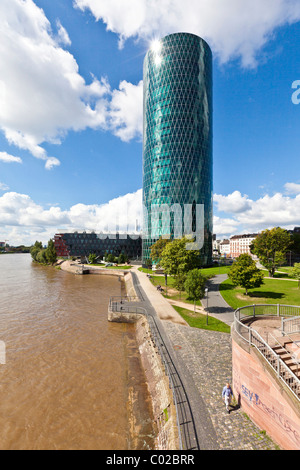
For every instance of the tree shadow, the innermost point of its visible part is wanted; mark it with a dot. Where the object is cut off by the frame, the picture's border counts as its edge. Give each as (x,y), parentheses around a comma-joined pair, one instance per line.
(226,287)
(266,295)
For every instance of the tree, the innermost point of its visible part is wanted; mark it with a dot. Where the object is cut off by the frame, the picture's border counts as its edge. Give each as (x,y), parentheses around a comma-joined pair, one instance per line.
(296,273)
(35,249)
(157,249)
(195,285)
(110,258)
(41,257)
(123,258)
(271,246)
(51,255)
(176,258)
(244,273)
(92,258)
(180,279)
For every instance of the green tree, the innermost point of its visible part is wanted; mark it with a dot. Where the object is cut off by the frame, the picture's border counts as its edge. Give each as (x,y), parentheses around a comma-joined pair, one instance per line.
(180,279)
(110,258)
(270,246)
(176,258)
(295,272)
(123,258)
(92,258)
(51,255)
(157,249)
(195,285)
(41,257)
(35,249)
(244,273)
(295,245)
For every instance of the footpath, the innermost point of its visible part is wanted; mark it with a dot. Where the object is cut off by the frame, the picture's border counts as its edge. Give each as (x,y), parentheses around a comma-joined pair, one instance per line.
(203,360)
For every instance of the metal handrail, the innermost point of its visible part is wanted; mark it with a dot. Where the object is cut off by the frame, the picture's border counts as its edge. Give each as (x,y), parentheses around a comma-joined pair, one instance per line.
(157,342)
(295,321)
(253,338)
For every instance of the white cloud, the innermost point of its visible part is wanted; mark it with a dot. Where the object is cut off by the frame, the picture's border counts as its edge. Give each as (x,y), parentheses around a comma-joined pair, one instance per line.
(234,202)
(126,111)
(23,221)
(4,187)
(234,28)
(7,158)
(265,212)
(223,227)
(62,35)
(292,188)
(43,96)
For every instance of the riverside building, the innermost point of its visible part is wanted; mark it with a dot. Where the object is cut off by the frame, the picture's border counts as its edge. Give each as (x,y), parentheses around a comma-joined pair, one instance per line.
(83,244)
(177,142)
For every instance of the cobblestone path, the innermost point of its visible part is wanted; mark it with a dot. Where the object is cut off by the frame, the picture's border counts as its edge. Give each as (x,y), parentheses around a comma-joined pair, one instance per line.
(207,355)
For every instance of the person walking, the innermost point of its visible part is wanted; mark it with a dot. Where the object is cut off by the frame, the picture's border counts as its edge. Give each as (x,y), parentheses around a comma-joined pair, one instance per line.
(227,395)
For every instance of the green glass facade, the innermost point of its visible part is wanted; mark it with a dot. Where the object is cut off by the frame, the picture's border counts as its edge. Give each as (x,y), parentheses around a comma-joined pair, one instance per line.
(177,144)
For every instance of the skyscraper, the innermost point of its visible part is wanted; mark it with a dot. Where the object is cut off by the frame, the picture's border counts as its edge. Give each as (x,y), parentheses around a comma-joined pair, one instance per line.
(177,144)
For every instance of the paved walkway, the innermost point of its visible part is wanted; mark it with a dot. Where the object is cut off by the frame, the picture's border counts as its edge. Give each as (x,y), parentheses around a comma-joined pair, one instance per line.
(203,360)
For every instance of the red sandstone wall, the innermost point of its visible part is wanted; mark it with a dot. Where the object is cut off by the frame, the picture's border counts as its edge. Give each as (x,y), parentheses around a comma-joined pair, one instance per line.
(263,400)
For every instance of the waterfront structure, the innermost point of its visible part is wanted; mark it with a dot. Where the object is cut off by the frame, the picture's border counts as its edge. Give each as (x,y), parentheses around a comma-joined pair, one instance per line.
(83,244)
(240,244)
(177,142)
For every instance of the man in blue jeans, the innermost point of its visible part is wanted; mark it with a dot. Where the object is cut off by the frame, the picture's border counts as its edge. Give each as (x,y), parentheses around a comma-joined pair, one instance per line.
(227,396)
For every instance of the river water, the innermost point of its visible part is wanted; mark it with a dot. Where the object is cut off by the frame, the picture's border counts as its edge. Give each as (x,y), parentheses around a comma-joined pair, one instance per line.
(67,373)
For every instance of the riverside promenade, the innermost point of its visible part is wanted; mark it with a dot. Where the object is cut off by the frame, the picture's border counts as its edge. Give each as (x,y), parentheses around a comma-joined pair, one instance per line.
(202,359)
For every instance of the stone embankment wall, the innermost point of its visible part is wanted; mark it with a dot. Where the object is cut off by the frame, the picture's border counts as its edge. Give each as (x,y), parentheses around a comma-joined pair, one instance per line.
(264,397)
(158,385)
(163,408)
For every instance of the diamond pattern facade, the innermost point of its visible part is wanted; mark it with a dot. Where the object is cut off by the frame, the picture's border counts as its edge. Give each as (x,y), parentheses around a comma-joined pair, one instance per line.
(177,144)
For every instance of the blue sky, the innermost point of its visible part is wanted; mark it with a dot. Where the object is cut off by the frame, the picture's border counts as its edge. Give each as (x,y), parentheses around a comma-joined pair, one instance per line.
(71,110)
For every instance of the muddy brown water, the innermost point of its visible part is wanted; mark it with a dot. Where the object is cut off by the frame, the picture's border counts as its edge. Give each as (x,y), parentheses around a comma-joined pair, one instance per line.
(68,371)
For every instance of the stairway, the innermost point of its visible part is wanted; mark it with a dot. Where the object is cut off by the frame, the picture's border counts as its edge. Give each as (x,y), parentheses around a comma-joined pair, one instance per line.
(285,352)
(287,358)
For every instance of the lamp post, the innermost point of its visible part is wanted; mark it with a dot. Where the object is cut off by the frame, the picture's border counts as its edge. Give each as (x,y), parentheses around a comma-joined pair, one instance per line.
(206,293)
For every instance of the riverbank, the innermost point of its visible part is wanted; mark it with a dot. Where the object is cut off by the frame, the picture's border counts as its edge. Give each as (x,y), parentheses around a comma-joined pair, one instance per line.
(201,361)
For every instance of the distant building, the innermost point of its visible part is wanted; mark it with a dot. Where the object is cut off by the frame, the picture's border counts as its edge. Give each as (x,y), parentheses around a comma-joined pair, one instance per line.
(225,248)
(2,244)
(83,244)
(240,244)
(216,246)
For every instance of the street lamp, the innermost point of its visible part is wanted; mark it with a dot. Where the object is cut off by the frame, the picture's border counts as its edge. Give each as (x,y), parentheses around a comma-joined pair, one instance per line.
(206,293)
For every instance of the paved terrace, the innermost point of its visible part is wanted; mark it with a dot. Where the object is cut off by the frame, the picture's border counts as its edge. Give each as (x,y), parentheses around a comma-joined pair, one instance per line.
(202,360)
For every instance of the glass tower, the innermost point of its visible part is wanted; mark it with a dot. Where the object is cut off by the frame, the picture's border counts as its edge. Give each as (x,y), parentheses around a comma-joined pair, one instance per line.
(177,142)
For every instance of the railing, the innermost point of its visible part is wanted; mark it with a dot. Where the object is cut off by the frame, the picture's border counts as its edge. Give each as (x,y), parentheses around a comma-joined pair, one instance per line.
(253,338)
(179,396)
(116,303)
(290,325)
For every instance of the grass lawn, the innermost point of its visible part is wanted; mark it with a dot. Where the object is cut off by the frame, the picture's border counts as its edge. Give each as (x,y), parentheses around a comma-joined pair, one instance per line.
(174,294)
(278,274)
(170,292)
(198,320)
(273,291)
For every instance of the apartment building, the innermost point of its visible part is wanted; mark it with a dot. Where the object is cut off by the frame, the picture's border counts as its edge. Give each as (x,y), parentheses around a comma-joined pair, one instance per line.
(240,244)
